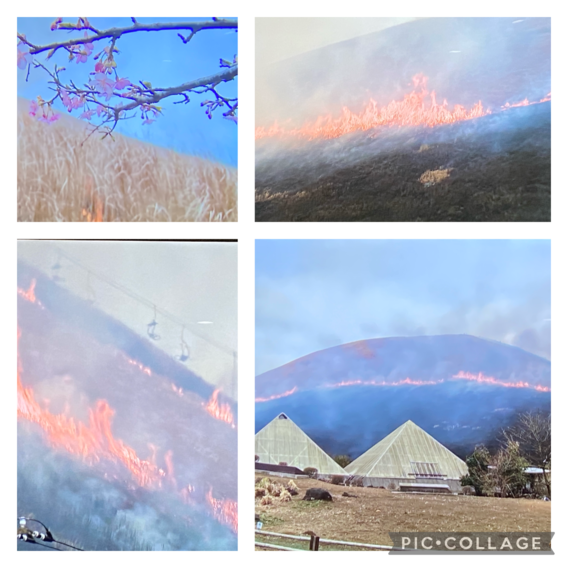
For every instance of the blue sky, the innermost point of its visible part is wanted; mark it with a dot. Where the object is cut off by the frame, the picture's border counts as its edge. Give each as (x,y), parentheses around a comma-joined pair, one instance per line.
(162,59)
(313,294)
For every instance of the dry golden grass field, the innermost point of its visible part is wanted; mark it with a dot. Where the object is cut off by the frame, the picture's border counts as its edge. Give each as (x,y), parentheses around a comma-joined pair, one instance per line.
(61,179)
(373,513)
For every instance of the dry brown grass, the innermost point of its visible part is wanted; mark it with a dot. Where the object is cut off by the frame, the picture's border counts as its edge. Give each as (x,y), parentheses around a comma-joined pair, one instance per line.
(430,177)
(120,180)
(377,512)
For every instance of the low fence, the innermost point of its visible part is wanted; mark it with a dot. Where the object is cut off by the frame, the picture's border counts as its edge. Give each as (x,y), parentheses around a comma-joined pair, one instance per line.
(315,542)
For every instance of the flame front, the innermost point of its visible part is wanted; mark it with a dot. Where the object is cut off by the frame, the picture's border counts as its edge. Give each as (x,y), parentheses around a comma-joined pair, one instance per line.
(220,411)
(29,294)
(275,396)
(481,378)
(224,510)
(93,441)
(463,375)
(418,108)
(145,370)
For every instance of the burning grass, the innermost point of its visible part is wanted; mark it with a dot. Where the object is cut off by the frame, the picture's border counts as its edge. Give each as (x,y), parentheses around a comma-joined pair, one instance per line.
(109,438)
(122,180)
(500,171)
(417,108)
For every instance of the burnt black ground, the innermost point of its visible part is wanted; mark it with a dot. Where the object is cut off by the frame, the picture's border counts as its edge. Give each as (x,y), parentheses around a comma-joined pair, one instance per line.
(498,173)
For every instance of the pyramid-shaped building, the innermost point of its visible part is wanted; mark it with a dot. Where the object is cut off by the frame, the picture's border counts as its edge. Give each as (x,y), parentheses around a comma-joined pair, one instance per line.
(409,459)
(283,442)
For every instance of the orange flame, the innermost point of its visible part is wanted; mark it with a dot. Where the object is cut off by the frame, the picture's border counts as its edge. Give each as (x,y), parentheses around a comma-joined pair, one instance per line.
(479,378)
(29,294)
(406,381)
(418,108)
(275,396)
(177,390)
(93,210)
(224,510)
(526,102)
(220,411)
(146,370)
(93,441)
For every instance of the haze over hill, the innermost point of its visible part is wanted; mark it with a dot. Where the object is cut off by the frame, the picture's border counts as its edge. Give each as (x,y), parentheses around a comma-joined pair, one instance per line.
(461,389)
(493,60)
(347,132)
(114,276)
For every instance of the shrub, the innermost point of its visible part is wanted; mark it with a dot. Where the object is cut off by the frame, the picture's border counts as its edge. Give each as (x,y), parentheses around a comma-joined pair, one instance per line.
(259,492)
(337,480)
(285,496)
(343,460)
(266,500)
(276,489)
(264,482)
(311,471)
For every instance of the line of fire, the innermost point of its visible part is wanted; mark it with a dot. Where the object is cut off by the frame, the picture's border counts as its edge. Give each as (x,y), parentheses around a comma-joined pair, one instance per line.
(426,119)
(403,387)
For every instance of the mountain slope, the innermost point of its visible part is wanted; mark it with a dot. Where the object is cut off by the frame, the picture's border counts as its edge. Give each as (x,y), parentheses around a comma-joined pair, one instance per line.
(461,389)
(119,446)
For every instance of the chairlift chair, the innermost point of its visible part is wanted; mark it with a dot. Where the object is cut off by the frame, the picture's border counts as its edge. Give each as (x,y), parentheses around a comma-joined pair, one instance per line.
(184,348)
(151,330)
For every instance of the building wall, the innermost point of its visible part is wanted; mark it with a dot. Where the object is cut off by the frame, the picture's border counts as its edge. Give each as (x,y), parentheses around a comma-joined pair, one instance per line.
(388,482)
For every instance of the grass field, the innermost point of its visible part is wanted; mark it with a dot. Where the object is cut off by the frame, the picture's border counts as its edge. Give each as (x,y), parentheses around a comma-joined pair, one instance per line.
(479,170)
(60,178)
(369,517)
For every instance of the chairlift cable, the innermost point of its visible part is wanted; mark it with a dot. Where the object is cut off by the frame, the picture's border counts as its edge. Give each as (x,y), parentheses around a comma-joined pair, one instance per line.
(141,299)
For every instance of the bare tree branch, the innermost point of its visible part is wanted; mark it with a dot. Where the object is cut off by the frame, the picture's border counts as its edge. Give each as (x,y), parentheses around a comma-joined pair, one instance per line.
(116,33)
(101,87)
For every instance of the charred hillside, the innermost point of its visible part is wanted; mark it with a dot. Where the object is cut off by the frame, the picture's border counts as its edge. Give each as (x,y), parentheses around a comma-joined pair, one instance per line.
(494,168)
(439,119)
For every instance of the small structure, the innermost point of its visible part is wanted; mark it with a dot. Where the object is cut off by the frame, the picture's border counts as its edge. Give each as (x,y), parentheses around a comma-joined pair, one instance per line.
(282,441)
(409,459)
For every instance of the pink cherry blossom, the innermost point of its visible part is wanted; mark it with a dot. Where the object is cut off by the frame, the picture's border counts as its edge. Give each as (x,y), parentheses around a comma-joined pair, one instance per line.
(88,46)
(122,84)
(103,83)
(88,114)
(64,95)
(100,67)
(34,107)
(24,57)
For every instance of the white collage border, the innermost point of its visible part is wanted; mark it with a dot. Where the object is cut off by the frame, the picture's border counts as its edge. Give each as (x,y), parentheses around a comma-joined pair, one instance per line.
(246,231)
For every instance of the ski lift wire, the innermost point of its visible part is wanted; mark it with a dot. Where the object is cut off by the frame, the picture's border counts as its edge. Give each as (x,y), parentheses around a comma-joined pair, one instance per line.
(141,299)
